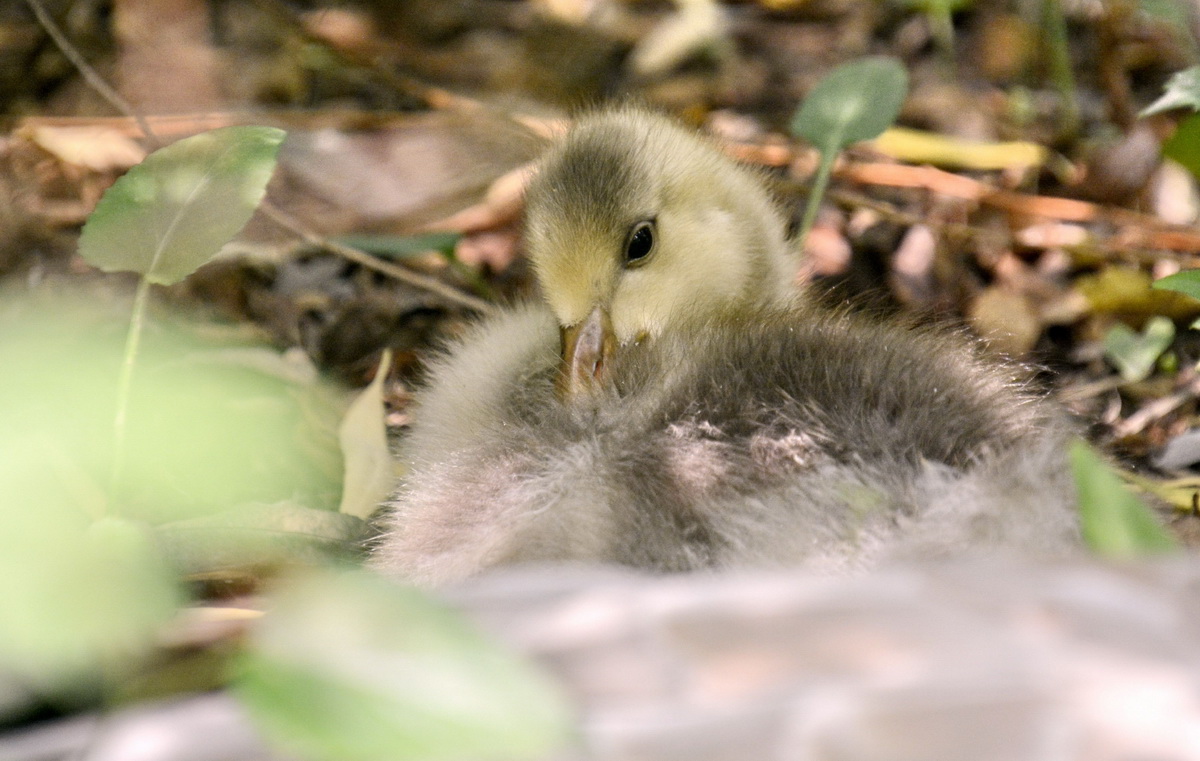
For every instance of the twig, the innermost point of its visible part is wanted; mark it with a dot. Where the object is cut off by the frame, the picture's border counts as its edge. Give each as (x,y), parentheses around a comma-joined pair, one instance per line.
(90,75)
(415,279)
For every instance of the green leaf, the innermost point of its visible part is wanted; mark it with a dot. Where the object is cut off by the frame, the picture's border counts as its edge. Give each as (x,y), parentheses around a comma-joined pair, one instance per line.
(400,247)
(1175,15)
(214,421)
(1181,91)
(80,598)
(350,667)
(258,535)
(1186,282)
(173,212)
(1184,145)
(1134,354)
(1115,522)
(856,101)
(370,470)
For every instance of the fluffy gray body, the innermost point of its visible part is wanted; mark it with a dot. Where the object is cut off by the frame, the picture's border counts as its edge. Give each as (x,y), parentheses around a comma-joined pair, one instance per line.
(739,426)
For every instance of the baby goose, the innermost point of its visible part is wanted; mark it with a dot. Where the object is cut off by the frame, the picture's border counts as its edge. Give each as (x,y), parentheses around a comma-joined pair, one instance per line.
(677,404)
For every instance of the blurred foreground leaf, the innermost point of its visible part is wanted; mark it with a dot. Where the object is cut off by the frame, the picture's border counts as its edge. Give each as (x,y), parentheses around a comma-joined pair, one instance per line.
(215,419)
(174,211)
(81,600)
(349,667)
(1115,522)
(257,536)
(369,468)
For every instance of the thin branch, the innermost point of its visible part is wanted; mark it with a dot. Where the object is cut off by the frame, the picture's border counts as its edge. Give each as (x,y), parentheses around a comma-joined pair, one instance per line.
(415,279)
(90,75)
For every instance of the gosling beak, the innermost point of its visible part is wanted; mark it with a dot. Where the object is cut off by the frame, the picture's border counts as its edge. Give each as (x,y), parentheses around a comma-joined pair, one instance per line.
(587,350)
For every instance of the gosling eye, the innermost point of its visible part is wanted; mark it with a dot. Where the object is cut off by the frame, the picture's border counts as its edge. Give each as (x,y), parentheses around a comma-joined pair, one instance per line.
(640,243)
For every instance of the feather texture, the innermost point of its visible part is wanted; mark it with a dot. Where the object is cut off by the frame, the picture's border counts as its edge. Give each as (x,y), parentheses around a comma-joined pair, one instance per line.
(737,425)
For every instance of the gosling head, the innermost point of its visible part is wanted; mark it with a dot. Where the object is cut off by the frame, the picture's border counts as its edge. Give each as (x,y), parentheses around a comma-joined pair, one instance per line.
(636,225)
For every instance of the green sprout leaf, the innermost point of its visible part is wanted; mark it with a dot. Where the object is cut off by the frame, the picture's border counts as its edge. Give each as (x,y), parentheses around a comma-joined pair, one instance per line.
(347,666)
(854,102)
(1186,282)
(1115,522)
(1182,91)
(1134,354)
(174,211)
(1184,145)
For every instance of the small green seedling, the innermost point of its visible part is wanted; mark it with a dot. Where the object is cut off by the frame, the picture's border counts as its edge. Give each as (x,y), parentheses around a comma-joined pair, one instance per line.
(170,214)
(854,102)
(1186,282)
(1134,354)
(940,15)
(1181,91)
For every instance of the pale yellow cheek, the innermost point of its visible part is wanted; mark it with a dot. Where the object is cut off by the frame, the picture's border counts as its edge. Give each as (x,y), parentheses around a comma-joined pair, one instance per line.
(704,270)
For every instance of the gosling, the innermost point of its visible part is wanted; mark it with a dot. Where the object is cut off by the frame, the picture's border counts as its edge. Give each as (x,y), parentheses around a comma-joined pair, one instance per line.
(676,403)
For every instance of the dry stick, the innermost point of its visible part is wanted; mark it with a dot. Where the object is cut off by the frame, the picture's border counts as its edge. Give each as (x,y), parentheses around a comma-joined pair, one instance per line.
(416,279)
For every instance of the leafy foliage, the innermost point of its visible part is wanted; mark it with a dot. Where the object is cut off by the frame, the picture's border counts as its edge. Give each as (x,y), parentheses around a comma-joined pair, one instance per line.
(1186,282)
(348,667)
(1115,522)
(227,462)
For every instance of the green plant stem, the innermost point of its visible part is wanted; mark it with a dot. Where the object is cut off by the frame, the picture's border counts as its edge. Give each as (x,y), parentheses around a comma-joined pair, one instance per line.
(817,192)
(133,341)
(941,25)
(1054,22)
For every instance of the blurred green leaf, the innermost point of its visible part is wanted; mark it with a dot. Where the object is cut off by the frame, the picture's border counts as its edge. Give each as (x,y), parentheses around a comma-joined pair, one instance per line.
(1184,146)
(400,247)
(1186,282)
(1134,354)
(1181,91)
(370,470)
(173,212)
(80,598)
(350,667)
(1176,15)
(854,102)
(213,422)
(257,535)
(1115,522)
